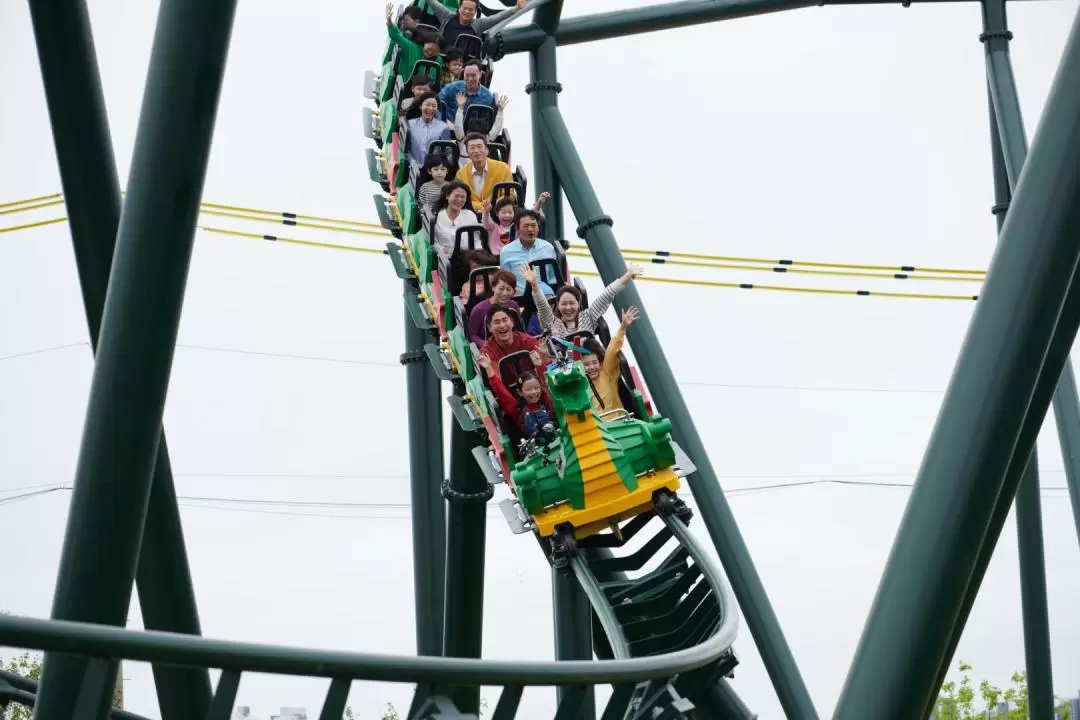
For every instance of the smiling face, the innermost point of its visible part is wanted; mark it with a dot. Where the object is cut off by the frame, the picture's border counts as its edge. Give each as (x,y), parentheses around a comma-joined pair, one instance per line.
(467,11)
(506,214)
(502,292)
(428,108)
(567,306)
(471,76)
(477,150)
(457,199)
(531,390)
(419,90)
(591,363)
(502,328)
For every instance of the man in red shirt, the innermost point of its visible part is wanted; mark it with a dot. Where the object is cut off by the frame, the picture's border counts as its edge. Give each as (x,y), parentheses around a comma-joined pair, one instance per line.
(503,339)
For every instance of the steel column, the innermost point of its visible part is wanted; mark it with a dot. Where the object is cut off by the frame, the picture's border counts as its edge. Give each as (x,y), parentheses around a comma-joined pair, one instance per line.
(468,492)
(544,90)
(1005,104)
(573,630)
(122,431)
(963,475)
(1040,681)
(1028,503)
(426,475)
(635,21)
(92,196)
(715,512)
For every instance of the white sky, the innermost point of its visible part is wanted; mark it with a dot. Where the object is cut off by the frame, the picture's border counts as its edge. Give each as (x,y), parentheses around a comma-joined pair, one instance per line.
(846,134)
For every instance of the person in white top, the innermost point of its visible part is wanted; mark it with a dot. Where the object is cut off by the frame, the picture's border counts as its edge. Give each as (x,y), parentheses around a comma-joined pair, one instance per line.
(454,211)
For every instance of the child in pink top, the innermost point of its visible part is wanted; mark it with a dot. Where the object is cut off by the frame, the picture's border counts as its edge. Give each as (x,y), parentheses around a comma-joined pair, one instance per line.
(500,222)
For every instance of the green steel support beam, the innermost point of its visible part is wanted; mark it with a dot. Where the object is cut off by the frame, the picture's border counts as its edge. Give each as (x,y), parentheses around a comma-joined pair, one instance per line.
(122,431)
(635,21)
(1040,679)
(426,475)
(969,468)
(548,16)
(573,631)
(1009,119)
(92,195)
(468,492)
(1028,503)
(544,90)
(715,512)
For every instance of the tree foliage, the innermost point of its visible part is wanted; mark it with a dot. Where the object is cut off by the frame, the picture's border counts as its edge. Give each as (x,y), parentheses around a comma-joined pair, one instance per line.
(29,666)
(962,701)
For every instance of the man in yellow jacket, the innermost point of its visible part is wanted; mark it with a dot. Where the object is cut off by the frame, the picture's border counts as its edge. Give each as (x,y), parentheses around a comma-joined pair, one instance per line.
(482,173)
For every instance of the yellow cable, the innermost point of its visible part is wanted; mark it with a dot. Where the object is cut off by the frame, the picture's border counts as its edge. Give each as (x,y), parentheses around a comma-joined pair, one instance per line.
(31,207)
(281,215)
(293,241)
(584,273)
(27,201)
(298,223)
(32,225)
(296,216)
(798,271)
(807,263)
(781,288)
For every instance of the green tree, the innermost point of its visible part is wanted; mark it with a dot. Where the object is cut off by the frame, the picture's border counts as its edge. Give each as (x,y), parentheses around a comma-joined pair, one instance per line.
(957,701)
(29,666)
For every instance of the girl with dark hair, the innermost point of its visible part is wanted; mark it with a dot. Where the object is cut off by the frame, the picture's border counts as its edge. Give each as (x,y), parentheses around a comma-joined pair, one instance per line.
(568,316)
(530,409)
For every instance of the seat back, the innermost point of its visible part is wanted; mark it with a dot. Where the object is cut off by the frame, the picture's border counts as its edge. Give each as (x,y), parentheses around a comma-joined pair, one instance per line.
(512,366)
(427,67)
(481,277)
(471,46)
(482,117)
(498,151)
(548,271)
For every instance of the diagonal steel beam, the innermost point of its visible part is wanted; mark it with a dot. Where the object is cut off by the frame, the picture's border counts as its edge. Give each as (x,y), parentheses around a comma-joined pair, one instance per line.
(122,431)
(715,512)
(966,471)
(88,174)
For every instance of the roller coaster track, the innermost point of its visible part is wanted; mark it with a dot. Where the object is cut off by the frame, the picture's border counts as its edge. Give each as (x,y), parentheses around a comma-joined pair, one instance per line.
(681,603)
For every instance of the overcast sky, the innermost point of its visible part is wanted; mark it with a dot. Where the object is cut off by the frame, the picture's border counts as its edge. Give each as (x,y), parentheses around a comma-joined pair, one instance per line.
(842,134)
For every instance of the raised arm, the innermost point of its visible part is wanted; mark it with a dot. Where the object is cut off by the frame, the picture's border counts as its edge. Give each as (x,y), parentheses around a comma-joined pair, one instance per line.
(497,125)
(611,354)
(543,310)
(603,301)
(506,399)
(396,36)
(440,11)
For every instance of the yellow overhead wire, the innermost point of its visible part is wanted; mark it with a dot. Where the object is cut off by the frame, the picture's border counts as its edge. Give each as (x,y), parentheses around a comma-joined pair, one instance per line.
(27,201)
(38,206)
(655,256)
(300,223)
(28,226)
(807,263)
(584,273)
